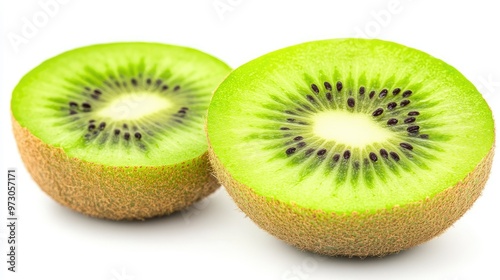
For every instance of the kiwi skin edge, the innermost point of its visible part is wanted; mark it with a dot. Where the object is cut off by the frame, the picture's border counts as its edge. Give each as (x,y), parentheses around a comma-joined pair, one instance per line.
(111,192)
(379,233)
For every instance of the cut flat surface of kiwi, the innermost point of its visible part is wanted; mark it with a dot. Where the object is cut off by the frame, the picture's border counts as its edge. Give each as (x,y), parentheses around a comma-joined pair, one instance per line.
(116,130)
(350,146)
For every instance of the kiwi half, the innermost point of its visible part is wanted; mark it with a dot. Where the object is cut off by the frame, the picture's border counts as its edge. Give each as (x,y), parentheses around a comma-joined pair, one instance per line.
(116,130)
(351,147)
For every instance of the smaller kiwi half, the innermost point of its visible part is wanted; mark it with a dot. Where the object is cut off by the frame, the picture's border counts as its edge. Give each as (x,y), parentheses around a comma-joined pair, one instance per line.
(116,130)
(350,146)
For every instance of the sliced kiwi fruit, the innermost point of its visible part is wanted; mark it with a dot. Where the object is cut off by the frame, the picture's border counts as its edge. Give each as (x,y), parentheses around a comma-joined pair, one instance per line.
(349,146)
(116,130)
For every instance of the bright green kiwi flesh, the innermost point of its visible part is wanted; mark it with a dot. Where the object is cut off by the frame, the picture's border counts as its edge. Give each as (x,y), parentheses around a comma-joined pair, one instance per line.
(350,146)
(116,130)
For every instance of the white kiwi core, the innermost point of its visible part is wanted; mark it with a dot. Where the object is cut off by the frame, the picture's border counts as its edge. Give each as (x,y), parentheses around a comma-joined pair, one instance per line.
(352,129)
(134,106)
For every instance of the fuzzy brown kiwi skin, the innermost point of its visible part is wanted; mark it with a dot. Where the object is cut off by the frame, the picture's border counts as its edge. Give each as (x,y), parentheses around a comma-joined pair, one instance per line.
(367,234)
(110,192)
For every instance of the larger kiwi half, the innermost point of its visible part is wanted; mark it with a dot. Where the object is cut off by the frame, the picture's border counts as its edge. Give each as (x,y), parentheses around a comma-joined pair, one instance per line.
(351,147)
(116,130)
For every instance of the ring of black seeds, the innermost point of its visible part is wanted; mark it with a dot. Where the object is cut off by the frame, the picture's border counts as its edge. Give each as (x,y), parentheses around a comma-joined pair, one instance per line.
(95,95)
(392,107)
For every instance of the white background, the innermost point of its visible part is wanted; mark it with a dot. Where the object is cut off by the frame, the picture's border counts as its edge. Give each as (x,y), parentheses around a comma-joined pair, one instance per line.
(213,239)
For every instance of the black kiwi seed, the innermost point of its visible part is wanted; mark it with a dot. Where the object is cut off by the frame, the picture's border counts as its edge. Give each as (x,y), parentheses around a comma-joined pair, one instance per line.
(315,88)
(301,144)
(321,152)
(125,126)
(298,138)
(284,128)
(102,125)
(336,157)
(176,88)
(413,113)
(91,121)
(73,104)
(148,81)
(290,112)
(361,90)
(351,102)
(328,86)
(404,103)
(406,146)
(424,136)
(91,126)
(384,154)
(413,129)
(290,120)
(126,136)
(73,112)
(383,93)
(134,82)
(392,122)
(347,154)
(310,98)
(184,108)
(396,91)
(356,165)
(306,107)
(410,120)
(329,96)
(138,135)
(97,91)
(339,86)
(86,107)
(164,87)
(378,112)
(95,96)
(407,93)
(290,151)
(158,82)
(394,156)
(391,106)
(117,131)
(372,94)
(309,151)
(373,157)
